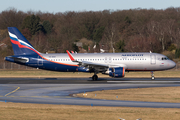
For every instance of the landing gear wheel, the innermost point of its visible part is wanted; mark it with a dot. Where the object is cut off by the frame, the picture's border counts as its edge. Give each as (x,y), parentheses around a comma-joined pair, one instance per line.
(152,75)
(94,77)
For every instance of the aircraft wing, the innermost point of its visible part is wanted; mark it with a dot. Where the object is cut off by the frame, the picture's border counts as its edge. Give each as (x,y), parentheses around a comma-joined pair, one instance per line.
(87,63)
(90,65)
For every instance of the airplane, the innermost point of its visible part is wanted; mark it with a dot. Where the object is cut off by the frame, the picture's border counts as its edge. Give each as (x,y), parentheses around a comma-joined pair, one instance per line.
(113,64)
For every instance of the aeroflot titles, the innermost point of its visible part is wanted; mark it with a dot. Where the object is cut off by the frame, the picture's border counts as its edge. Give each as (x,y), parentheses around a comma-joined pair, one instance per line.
(132,54)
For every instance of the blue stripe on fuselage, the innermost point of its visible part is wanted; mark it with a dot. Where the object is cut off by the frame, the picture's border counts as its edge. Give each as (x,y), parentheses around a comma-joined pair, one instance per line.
(39,62)
(48,65)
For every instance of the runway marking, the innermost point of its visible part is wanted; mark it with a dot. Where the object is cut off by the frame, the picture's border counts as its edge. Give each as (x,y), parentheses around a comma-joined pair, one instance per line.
(45,96)
(142,81)
(57,96)
(12,91)
(33,96)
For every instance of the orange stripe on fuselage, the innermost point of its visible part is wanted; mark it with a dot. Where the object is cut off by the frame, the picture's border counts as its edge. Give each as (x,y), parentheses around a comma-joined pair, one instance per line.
(58,62)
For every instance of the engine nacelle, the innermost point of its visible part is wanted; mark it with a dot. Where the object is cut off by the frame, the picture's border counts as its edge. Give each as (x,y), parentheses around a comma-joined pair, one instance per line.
(117,72)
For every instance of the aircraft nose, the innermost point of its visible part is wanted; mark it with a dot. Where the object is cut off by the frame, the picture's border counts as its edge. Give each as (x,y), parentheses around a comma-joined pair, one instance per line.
(173,64)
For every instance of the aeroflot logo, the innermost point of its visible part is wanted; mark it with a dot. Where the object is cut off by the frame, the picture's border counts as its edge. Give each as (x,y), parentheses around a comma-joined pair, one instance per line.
(132,54)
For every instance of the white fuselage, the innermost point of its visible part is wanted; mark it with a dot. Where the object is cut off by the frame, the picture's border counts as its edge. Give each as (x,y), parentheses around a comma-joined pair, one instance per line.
(130,61)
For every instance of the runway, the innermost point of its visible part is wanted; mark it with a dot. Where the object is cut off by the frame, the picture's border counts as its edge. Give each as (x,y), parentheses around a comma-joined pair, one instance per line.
(62,90)
(87,80)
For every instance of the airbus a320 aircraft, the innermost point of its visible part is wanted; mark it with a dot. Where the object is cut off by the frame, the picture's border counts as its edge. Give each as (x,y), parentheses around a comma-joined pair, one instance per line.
(112,64)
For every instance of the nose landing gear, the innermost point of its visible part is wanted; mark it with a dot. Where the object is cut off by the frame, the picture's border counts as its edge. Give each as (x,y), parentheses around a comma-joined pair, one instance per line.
(152,75)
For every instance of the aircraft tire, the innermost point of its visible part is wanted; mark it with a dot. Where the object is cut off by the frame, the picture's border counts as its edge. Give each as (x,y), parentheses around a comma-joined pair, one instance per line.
(94,77)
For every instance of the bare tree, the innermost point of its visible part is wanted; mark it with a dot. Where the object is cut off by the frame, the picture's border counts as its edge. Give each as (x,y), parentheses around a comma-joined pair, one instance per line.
(111,35)
(11,18)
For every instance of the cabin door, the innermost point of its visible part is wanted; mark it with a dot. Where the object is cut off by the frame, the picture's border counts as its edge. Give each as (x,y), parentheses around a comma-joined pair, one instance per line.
(153,59)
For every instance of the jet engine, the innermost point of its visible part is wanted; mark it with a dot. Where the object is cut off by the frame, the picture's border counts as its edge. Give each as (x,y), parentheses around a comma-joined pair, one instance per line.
(117,72)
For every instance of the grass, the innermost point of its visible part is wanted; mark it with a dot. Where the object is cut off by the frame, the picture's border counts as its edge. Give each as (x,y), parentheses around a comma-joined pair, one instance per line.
(161,94)
(16,111)
(44,73)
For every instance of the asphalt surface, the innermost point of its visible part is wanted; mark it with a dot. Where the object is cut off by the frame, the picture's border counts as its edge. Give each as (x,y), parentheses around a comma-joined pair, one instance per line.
(87,80)
(62,90)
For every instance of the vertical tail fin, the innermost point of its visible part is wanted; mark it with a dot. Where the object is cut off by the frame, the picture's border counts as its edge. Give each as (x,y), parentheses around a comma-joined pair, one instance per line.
(20,44)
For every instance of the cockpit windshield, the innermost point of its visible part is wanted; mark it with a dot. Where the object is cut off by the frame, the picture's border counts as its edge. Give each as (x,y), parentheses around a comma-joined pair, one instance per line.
(165,58)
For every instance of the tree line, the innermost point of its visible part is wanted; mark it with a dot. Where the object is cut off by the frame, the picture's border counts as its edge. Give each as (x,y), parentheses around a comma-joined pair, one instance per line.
(134,30)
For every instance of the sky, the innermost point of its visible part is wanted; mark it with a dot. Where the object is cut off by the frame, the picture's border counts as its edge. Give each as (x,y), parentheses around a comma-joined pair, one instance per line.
(55,6)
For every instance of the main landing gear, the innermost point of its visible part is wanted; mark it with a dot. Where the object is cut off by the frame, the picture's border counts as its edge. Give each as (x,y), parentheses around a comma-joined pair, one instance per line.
(94,77)
(152,75)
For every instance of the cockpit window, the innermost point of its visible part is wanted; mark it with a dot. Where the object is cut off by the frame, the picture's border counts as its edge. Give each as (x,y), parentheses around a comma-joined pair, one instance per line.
(165,58)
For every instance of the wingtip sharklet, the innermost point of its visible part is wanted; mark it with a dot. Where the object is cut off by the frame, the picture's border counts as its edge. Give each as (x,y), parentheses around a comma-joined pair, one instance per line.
(70,56)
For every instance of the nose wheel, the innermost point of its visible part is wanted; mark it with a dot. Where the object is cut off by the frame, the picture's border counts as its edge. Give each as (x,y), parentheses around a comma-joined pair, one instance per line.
(94,77)
(152,76)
